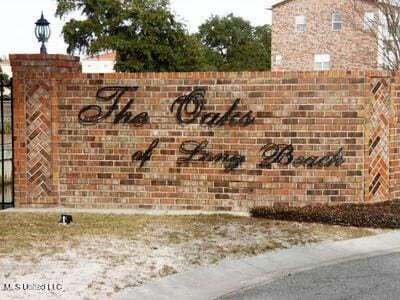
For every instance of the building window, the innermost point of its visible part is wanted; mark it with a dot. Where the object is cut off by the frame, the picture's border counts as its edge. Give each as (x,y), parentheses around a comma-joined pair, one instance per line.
(368,19)
(337,22)
(322,62)
(278,59)
(300,23)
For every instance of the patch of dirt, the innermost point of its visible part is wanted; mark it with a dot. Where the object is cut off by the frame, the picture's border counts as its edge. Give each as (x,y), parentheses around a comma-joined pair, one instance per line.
(98,255)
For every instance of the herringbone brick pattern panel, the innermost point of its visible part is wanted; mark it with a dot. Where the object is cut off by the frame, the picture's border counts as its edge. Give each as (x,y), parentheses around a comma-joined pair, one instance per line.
(38,142)
(378,132)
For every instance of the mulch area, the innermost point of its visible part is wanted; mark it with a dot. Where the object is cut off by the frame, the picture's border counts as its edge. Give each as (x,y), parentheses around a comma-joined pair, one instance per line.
(378,215)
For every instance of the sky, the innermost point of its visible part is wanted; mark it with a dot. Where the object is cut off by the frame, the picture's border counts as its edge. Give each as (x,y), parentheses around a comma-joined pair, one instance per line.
(17,19)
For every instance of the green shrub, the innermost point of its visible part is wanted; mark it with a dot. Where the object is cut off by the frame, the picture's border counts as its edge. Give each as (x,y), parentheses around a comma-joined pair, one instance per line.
(7,128)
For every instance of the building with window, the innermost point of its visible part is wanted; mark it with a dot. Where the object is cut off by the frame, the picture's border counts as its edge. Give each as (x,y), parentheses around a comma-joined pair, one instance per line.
(102,63)
(6,67)
(324,35)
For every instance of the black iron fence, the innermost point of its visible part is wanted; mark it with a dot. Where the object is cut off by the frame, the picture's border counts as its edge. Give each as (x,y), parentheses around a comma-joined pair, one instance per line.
(7,147)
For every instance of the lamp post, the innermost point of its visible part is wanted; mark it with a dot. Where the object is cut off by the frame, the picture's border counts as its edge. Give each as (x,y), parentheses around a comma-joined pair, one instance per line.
(42,32)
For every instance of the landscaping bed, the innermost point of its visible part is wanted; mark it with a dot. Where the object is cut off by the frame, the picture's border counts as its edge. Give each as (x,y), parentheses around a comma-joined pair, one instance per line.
(377,215)
(100,254)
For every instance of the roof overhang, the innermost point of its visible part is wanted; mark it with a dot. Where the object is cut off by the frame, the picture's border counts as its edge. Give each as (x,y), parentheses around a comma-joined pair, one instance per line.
(286,1)
(280,3)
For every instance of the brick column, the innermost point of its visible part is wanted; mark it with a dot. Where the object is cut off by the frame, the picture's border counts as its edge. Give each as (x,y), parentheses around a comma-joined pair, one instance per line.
(395,138)
(377,144)
(35,126)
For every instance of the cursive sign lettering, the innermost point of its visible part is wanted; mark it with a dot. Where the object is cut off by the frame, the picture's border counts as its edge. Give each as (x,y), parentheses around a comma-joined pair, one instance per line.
(193,149)
(93,114)
(143,157)
(283,155)
(190,107)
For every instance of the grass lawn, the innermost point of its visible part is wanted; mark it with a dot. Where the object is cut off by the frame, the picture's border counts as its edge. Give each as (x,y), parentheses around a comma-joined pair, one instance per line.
(100,254)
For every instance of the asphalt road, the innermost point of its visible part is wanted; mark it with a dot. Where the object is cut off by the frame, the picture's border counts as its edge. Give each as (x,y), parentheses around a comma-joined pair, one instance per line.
(370,278)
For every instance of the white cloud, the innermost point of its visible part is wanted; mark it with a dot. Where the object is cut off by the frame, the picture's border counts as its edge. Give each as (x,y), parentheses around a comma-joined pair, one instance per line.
(17,20)
(193,13)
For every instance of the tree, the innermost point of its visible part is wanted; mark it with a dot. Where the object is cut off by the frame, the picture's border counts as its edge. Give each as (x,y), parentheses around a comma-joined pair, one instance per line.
(4,77)
(144,34)
(382,26)
(252,55)
(235,45)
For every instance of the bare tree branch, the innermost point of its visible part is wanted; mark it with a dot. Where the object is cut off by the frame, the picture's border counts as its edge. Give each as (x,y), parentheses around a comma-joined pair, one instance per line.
(383,27)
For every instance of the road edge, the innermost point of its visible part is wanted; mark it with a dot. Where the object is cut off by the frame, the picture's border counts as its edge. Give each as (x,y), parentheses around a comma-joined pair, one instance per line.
(211,282)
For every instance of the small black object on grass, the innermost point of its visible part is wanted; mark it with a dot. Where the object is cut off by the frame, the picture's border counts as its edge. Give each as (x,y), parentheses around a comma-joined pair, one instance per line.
(66,219)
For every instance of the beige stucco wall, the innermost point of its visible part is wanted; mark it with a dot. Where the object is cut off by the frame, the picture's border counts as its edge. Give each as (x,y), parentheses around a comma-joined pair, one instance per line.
(6,68)
(98,66)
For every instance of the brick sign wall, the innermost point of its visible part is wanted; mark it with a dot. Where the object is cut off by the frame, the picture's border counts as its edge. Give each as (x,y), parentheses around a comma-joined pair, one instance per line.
(207,141)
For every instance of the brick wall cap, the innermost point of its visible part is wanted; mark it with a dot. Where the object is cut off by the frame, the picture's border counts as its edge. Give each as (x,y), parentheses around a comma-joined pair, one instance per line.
(237,75)
(46,57)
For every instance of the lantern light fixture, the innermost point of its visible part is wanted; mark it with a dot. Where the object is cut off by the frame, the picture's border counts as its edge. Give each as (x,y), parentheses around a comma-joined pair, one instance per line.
(42,33)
